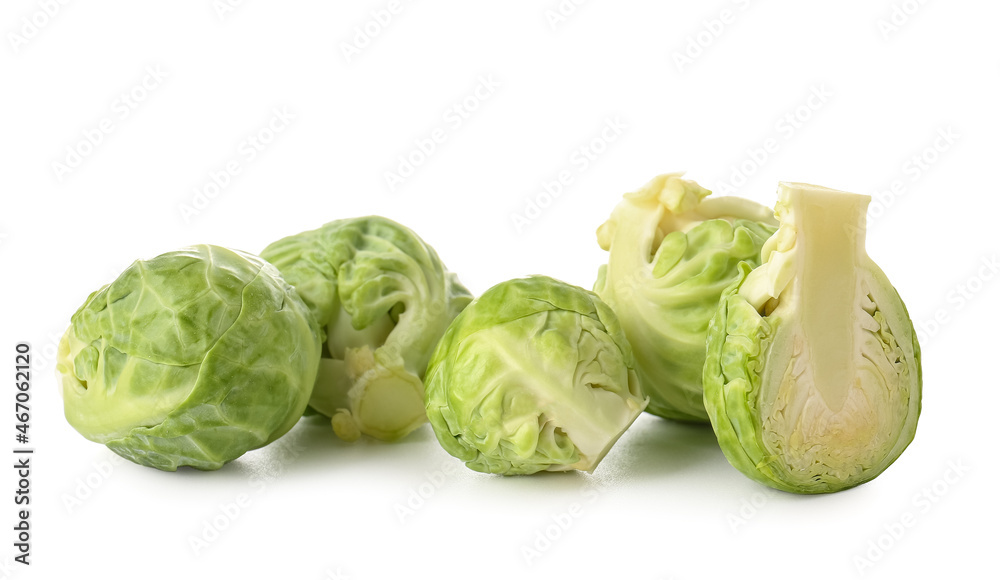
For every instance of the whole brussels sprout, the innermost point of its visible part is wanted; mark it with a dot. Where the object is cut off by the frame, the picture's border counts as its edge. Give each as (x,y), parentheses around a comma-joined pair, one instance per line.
(191,358)
(535,375)
(812,378)
(382,298)
(671,254)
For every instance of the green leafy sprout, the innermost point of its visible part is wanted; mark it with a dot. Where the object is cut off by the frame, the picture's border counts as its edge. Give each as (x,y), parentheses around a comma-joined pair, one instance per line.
(382,298)
(812,378)
(191,358)
(535,375)
(671,253)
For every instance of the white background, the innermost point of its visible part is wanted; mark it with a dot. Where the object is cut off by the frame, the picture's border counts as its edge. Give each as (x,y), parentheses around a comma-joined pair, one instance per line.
(693,93)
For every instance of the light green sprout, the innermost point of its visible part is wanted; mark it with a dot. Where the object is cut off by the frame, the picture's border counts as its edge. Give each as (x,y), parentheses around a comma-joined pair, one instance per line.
(812,379)
(382,298)
(671,254)
(191,358)
(535,375)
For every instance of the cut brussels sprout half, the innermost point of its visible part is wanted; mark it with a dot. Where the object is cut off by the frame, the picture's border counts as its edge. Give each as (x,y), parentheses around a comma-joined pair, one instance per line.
(383,299)
(812,379)
(191,358)
(535,375)
(671,254)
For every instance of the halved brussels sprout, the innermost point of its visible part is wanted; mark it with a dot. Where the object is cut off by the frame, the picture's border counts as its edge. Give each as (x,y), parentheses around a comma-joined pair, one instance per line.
(671,254)
(192,358)
(812,379)
(535,375)
(383,299)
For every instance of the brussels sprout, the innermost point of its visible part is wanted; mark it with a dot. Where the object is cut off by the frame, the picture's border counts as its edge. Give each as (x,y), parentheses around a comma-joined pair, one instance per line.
(192,358)
(383,299)
(812,379)
(671,254)
(535,375)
